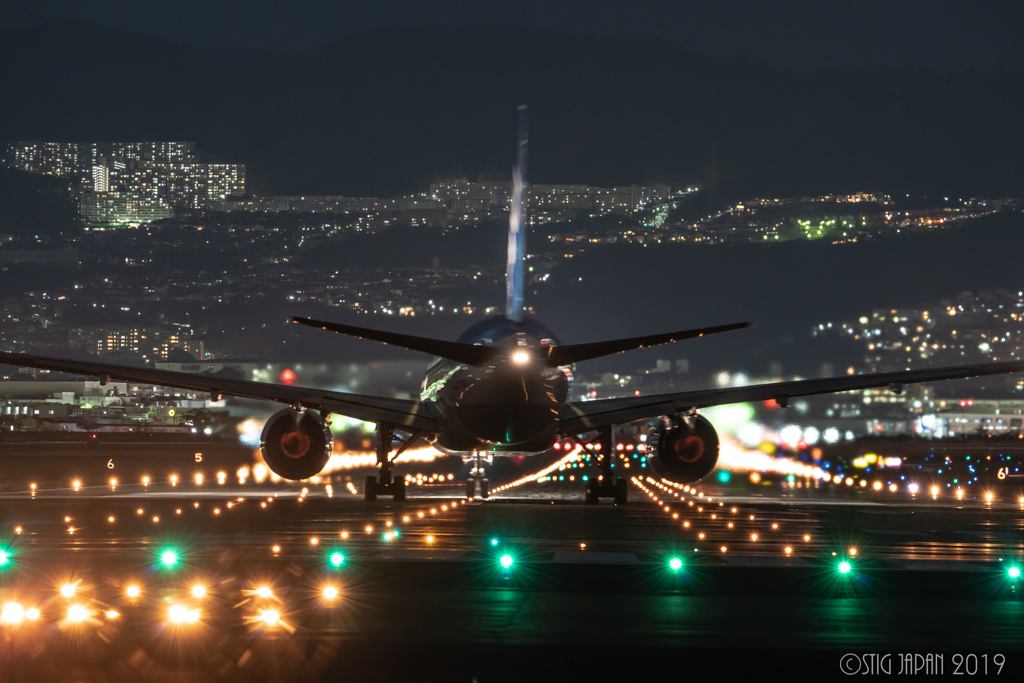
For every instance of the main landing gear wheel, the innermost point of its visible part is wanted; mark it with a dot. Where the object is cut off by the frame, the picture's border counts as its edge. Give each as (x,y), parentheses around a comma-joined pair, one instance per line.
(470,488)
(592,497)
(370,489)
(398,488)
(485,488)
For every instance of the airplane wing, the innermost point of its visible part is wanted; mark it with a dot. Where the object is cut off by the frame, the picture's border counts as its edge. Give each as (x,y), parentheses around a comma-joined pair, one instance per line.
(398,412)
(581,416)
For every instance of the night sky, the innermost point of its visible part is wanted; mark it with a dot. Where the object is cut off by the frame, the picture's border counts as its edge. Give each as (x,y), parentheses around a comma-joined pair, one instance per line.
(796,34)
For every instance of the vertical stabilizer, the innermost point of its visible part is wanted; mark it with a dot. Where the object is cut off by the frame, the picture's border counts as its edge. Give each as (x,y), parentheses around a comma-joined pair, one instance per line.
(517,229)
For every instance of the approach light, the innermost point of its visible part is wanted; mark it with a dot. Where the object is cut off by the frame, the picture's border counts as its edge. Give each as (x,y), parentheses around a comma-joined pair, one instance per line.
(844,567)
(675,564)
(337,559)
(506,561)
(12,613)
(1014,572)
(270,617)
(77,613)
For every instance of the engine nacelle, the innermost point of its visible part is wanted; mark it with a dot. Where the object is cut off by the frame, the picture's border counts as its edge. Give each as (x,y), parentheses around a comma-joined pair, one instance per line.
(682,449)
(296,444)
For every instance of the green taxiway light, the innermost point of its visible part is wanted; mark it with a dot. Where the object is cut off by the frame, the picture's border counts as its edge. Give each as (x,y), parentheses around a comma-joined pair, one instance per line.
(5,558)
(675,564)
(1014,572)
(494,541)
(337,559)
(844,567)
(506,561)
(169,558)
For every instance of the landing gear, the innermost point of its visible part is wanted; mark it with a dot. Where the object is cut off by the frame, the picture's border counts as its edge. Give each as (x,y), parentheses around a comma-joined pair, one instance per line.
(606,486)
(476,477)
(386,485)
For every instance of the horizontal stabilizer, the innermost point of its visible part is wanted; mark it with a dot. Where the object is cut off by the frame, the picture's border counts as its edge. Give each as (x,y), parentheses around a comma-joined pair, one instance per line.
(469,354)
(573,353)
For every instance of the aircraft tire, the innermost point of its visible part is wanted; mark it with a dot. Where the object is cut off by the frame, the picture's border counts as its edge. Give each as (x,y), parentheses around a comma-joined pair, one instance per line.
(485,488)
(370,489)
(398,484)
(470,488)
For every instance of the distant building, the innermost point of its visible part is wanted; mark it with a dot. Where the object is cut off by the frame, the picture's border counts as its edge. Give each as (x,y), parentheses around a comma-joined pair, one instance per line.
(102,209)
(150,342)
(49,158)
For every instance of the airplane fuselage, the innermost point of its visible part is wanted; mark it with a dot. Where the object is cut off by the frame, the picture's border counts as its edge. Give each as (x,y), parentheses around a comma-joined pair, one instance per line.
(509,407)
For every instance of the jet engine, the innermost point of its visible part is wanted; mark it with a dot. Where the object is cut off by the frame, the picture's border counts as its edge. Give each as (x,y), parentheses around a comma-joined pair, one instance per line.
(682,449)
(296,444)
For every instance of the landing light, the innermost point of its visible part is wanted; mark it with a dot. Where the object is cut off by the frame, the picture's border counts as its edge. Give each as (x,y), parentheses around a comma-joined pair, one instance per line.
(520,357)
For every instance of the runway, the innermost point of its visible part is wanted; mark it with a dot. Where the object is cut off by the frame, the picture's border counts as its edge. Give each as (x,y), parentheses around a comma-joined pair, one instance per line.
(721,580)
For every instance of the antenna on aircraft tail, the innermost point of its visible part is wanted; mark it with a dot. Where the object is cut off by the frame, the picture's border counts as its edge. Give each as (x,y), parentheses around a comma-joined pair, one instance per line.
(517,228)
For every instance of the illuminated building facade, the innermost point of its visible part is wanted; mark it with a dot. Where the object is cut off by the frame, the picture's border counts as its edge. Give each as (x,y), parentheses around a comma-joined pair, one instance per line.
(100,209)
(49,158)
(151,342)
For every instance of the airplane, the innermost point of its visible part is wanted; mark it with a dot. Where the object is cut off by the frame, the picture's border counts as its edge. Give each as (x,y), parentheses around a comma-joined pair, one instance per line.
(501,389)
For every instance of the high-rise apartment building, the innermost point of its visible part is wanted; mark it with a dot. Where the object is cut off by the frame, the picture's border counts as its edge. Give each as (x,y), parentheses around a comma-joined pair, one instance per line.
(49,158)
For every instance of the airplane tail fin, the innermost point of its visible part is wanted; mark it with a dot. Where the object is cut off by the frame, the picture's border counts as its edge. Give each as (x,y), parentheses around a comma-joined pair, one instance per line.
(517,228)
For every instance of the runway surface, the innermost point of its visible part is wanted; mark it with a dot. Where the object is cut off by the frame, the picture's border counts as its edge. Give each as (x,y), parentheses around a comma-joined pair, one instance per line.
(719,580)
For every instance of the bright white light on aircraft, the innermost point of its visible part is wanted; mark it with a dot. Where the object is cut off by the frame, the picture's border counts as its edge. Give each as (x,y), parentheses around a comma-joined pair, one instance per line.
(520,357)
(831,435)
(811,435)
